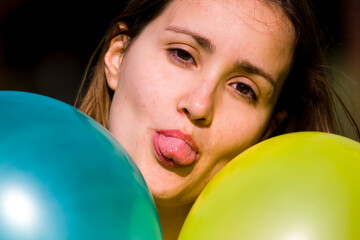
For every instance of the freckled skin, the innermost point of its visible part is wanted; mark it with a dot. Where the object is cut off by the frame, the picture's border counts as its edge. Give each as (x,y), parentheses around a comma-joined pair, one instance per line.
(155,89)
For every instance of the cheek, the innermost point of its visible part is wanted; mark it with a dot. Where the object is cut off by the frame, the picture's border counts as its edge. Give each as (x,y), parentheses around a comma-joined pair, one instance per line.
(145,84)
(233,136)
(239,131)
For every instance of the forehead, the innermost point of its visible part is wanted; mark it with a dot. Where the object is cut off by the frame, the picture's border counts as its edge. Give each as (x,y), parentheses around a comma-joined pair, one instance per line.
(253,29)
(229,17)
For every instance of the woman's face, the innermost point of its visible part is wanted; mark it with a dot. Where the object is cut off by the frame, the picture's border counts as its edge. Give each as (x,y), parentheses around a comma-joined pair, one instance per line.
(197,87)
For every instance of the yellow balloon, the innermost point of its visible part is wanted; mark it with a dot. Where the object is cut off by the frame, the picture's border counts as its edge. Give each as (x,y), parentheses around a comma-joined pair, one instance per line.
(298,186)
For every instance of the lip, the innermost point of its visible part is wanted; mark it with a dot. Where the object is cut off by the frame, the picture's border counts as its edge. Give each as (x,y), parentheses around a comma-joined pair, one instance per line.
(175,133)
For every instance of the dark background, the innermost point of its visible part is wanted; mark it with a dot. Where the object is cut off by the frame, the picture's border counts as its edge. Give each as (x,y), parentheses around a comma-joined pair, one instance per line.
(45,45)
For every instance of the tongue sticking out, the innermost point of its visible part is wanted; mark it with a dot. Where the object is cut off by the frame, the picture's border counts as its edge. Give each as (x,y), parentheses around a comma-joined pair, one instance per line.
(176,149)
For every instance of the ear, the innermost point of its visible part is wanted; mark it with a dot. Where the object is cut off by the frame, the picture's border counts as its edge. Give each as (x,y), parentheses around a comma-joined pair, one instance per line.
(276,120)
(115,55)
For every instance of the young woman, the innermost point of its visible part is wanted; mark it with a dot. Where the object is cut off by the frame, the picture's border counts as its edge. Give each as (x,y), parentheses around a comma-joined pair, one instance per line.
(186,85)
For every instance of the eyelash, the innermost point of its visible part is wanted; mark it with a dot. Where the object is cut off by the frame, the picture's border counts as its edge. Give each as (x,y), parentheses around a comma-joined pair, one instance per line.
(245,90)
(174,53)
(249,92)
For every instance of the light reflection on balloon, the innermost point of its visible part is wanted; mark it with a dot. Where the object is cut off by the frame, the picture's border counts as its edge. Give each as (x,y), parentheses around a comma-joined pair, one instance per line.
(19,208)
(296,235)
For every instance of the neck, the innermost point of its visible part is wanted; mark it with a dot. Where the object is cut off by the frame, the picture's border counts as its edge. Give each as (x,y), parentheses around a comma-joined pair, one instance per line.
(172,219)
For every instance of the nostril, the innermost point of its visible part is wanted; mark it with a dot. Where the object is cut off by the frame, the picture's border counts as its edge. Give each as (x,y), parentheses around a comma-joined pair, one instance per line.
(198,120)
(186,112)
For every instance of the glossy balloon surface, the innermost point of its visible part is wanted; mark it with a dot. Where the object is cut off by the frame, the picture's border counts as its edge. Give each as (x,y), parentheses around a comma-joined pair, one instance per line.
(298,186)
(63,176)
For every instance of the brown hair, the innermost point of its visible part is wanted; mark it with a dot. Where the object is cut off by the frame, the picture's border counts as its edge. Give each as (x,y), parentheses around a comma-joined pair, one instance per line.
(94,97)
(307,96)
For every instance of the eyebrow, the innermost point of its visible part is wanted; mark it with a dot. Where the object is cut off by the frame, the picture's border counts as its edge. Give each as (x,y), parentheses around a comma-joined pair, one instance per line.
(202,41)
(208,46)
(252,69)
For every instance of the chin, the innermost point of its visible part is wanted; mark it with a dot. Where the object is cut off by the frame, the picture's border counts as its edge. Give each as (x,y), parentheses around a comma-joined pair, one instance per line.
(171,197)
(167,188)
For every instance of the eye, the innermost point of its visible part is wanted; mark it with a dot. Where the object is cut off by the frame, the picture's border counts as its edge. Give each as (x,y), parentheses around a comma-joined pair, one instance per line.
(245,90)
(181,56)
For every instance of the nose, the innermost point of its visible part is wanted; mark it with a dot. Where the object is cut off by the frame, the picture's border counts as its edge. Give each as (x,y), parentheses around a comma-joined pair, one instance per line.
(198,105)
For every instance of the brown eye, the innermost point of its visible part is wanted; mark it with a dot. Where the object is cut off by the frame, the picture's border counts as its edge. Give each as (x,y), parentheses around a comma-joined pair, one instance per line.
(181,56)
(245,90)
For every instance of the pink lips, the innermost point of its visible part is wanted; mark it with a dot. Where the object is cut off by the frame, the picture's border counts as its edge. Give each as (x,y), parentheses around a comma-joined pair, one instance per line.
(174,148)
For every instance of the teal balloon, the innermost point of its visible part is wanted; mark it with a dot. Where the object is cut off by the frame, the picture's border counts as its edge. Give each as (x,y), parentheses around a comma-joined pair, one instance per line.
(63,176)
(298,186)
